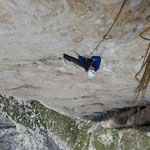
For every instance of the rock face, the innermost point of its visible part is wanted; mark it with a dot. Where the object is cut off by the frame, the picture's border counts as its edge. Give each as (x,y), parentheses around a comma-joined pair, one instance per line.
(20,137)
(127,117)
(34,34)
(36,124)
(30,125)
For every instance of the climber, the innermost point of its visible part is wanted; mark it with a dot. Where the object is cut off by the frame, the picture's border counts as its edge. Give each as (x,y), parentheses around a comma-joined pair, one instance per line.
(90,63)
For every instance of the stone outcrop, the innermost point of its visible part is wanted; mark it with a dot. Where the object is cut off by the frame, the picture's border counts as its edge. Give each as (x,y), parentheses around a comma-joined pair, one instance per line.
(15,136)
(127,117)
(30,125)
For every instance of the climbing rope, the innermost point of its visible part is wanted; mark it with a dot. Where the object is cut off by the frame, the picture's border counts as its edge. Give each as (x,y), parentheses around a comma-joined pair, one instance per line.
(141,34)
(144,81)
(105,36)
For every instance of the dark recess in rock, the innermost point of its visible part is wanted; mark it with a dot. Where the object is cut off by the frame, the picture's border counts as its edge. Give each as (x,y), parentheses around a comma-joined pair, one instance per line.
(123,117)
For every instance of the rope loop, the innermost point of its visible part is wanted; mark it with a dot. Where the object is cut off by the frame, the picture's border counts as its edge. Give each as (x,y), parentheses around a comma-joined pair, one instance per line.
(141,34)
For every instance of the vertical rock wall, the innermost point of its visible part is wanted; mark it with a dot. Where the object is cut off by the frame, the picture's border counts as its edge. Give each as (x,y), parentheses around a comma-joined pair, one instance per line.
(34,34)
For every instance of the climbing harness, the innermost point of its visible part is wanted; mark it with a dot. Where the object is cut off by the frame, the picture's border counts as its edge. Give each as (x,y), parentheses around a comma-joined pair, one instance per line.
(105,36)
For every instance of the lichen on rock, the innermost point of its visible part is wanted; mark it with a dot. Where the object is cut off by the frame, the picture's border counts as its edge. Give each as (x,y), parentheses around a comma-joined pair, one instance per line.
(31,117)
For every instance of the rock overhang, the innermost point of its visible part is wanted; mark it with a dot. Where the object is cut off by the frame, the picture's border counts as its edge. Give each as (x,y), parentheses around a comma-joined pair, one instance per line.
(35,34)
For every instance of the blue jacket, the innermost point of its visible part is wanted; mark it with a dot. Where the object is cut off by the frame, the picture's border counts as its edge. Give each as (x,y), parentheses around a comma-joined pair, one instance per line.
(94,60)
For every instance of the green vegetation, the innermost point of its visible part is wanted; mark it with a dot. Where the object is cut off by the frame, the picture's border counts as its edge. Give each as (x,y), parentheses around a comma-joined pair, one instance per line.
(106,139)
(73,132)
(33,114)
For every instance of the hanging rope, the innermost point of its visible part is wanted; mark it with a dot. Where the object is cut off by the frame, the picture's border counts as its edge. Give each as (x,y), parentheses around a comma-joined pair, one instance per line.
(105,36)
(144,81)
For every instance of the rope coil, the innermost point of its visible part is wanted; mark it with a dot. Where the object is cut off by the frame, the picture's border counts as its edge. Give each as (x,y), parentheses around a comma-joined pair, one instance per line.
(144,81)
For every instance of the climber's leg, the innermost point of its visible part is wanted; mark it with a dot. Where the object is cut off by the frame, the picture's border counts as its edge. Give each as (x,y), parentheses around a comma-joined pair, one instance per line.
(72,59)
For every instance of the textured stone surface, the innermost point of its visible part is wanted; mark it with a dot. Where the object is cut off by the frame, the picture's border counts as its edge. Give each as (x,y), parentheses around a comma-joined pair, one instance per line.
(35,124)
(34,34)
(22,138)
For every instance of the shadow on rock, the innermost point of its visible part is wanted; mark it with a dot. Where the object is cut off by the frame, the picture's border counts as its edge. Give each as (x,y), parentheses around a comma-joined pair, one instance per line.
(122,117)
